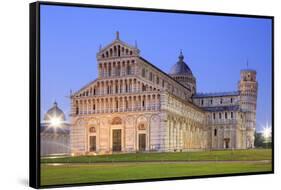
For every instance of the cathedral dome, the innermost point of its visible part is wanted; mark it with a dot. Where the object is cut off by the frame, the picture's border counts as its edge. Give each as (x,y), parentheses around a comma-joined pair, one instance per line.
(183,74)
(54,112)
(180,68)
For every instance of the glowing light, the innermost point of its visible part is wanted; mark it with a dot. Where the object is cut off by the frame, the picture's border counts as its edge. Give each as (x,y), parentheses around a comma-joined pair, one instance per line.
(55,121)
(52,157)
(55,164)
(266,131)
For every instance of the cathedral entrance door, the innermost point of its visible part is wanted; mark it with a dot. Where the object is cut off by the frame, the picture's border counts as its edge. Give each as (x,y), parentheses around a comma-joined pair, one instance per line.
(226,143)
(142,142)
(92,143)
(116,140)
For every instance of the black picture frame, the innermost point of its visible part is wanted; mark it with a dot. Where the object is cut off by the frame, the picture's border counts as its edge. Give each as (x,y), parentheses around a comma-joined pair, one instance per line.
(34,92)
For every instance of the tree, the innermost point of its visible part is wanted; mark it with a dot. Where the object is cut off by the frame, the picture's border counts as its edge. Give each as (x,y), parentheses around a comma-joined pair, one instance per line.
(259,140)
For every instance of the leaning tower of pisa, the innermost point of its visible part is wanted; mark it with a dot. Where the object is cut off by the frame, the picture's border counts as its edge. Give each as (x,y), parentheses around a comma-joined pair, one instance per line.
(248,88)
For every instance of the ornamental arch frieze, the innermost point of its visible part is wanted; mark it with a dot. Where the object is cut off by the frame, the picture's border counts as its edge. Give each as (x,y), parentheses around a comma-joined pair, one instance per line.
(142,133)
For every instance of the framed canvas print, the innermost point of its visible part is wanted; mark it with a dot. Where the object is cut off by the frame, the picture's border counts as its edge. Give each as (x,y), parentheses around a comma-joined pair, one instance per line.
(121,94)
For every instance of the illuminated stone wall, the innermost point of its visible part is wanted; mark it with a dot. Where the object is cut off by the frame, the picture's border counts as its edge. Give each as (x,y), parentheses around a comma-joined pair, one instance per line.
(134,96)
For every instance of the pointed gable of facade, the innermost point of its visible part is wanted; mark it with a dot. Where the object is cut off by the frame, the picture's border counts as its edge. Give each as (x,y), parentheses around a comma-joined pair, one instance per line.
(117,49)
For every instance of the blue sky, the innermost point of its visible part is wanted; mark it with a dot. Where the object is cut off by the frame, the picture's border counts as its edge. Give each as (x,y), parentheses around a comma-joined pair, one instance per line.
(216,48)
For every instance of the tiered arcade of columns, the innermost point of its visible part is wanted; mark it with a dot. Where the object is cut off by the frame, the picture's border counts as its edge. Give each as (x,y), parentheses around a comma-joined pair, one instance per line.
(134,106)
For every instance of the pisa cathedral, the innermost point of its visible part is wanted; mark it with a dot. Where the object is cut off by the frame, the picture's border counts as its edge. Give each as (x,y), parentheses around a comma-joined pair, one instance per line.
(134,106)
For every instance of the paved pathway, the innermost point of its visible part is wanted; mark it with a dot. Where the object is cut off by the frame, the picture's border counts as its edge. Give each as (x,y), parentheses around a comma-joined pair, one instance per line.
(163,162)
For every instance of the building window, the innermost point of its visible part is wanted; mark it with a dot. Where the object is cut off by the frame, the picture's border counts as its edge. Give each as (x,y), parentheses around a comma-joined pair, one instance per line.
(143,73)
(114,50)
(157,80)
(109,71)
(126,104)
(116,121)
(211,101)
(108,90)
(143,88)
(202,102)
(214,115)
(130,87)
(221,101)
(118,51)
(225,115)
(150,76)
(117,73)
(128,70)
(92,130)
(126,88)
(220,115)
(94,107)
(231,115)
(215,132)
(231,100)
(77,110)
(141,127)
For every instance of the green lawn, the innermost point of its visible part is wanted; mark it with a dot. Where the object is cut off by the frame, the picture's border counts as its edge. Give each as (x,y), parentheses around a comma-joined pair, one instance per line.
(116,167)
(83,173)
(252,154)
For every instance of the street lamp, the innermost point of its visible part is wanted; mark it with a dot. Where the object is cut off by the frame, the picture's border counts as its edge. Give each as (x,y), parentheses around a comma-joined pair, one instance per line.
(266,134)
(55,121)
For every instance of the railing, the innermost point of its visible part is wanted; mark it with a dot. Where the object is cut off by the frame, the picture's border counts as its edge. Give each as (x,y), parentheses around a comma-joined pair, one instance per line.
(121,109)
(222,121)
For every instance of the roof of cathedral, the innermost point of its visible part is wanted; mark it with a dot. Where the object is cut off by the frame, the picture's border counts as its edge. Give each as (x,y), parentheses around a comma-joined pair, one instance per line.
(118,40)
(162,72)
(216,94)
(54,111)
(84,87)
(143,59)
(180,68)
(248,70)
(184,70)
(221,108)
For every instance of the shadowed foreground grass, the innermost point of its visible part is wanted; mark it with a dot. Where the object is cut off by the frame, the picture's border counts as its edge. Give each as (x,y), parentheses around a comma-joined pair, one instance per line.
(252,154)
(83,173)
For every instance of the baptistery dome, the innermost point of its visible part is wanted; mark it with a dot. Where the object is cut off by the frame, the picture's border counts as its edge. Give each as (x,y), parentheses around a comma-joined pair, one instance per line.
(54,112)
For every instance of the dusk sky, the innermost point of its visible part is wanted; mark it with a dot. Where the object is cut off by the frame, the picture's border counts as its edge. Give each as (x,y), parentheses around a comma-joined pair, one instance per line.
(216,48)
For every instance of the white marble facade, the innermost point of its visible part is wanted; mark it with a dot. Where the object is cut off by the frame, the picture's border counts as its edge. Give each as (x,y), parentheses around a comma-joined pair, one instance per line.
(134,106)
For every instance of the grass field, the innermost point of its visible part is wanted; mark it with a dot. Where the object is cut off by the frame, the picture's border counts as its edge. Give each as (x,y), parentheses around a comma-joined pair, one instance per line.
(87,169)
(252,154)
